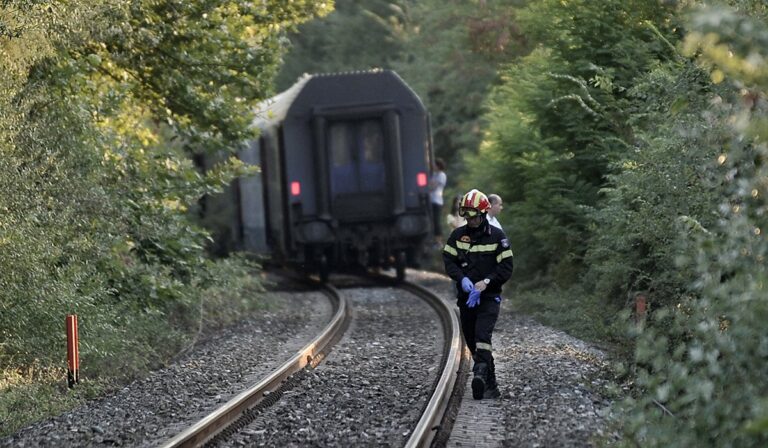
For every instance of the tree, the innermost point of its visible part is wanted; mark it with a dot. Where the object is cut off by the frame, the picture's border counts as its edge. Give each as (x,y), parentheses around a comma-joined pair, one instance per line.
(357,35)
(559,120)
(701,363)
(102,105)
(451,60)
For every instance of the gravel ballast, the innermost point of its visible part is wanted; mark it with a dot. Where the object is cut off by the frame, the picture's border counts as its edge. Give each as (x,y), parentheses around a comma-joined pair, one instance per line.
(550,384)
(150,411)
(369,391)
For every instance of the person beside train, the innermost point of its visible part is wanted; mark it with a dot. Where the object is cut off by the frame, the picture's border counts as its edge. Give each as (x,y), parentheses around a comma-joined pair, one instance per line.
(496,206)
(478,257)
(436,186)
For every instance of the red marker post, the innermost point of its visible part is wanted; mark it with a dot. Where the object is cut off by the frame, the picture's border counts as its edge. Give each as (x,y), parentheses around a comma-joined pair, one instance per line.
(73,353)
(641,307)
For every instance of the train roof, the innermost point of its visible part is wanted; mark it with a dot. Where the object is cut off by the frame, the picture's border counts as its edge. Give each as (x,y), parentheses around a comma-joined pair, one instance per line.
(332,88)
(274,110)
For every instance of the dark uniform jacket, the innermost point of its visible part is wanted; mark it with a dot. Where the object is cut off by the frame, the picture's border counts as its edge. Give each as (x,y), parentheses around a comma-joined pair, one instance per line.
(479,253)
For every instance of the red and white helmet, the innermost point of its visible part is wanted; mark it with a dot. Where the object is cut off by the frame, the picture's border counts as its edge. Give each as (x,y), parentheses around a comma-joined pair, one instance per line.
(474,202)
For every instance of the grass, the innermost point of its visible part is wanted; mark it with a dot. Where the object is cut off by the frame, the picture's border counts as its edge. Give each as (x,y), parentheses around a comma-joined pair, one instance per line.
(27,396)
(39,391)
(574,311)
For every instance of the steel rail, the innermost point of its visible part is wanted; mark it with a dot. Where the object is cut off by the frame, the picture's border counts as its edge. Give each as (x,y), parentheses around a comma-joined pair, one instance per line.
(433,414)
(207,428)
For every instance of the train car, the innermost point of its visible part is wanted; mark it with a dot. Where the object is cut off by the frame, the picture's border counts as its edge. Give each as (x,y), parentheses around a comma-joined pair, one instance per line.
(345,160)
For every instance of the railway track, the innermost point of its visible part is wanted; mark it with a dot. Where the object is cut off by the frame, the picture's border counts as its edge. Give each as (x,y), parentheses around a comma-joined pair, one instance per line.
(226,417)
(393,345)
(234,417)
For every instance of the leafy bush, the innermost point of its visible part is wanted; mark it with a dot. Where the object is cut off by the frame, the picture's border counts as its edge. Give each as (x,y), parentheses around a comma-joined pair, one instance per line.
(104,103)
(701,365)
(559,120)
(661,190)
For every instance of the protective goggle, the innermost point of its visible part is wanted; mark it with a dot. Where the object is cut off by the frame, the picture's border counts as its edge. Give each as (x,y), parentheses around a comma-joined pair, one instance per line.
(467,212)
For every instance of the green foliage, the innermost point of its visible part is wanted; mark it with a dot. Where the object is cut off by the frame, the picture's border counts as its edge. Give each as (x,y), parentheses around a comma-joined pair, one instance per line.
(661,190)
(229,294)
(625,166)
(200,66)
(357,35)
(573,310)
(519,163)
(452,49)
(102,105)
(560,119)
(701,364)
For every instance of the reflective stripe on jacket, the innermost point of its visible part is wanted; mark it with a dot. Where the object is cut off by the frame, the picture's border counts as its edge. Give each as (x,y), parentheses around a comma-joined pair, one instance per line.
(478,253)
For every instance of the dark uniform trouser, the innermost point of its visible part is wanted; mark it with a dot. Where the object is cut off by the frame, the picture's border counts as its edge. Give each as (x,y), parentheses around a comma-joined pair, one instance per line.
(477,326)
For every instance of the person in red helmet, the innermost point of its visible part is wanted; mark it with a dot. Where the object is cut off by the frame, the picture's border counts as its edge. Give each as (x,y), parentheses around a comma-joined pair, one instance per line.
(478,258)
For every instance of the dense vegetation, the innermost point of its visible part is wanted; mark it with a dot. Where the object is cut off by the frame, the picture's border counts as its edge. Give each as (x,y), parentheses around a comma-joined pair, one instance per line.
(103,103)
(629,145)
(627,138)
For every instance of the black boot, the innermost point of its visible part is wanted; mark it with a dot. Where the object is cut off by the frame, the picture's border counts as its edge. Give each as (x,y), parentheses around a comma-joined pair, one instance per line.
(480,380)
(491,388)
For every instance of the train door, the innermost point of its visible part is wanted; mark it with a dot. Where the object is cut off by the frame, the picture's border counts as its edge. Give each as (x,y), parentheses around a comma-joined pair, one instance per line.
(358,170)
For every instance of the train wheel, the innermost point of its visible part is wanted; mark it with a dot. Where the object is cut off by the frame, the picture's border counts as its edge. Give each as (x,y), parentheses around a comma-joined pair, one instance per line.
(400,260)
(325,270)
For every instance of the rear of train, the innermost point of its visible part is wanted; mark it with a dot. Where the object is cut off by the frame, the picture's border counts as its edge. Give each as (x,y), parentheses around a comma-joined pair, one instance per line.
(345,161)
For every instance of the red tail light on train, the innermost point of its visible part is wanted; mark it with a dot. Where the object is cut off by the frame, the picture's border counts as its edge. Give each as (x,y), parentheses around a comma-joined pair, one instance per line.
(295,188)
(421,179)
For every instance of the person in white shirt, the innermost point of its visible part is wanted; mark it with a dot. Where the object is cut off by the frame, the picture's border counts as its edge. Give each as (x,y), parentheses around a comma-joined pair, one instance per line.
(436,186)
(493,212)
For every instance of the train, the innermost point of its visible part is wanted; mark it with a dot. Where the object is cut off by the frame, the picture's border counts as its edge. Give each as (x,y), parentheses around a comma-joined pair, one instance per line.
(345,161)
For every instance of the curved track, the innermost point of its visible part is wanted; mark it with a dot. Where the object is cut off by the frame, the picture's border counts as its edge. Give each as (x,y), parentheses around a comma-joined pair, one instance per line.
(227,415)
(236,413)
(436,408)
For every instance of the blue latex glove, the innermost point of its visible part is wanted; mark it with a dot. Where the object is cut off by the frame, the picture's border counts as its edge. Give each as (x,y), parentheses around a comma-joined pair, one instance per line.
(474,298)
(498,299)
(467,285)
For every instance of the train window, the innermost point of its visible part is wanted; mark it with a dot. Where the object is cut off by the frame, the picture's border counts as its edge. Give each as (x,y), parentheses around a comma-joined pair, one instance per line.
(372,141)
(340,147)
(356,156)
